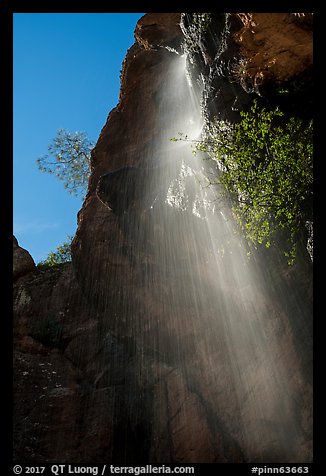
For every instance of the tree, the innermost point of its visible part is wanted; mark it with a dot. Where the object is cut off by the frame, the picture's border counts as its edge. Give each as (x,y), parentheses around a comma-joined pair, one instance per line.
(68,158)
(60,256)
(270,175)
(266,169)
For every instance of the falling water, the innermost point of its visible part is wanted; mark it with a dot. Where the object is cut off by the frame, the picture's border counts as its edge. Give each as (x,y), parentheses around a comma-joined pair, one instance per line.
(221,328)
(175,347)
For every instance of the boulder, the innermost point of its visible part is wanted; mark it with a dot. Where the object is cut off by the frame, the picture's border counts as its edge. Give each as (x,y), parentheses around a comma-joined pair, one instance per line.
(23,263)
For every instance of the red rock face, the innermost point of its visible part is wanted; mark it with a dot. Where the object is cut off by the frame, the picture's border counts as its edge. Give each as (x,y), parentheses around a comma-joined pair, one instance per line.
(126,140)
(277,45)
(158,30)
(117,361)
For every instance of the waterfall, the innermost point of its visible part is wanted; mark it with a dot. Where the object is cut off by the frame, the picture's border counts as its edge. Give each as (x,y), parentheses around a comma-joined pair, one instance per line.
(163,342)
(221,328)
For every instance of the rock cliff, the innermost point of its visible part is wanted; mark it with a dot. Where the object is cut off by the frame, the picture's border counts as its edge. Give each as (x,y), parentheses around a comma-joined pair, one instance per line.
(115,360)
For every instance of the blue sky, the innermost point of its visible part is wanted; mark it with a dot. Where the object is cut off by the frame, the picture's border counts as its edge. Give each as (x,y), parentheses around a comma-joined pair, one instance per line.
(66,75)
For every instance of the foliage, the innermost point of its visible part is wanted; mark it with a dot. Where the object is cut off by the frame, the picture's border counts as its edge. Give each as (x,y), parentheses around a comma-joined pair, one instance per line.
(60,256)
(267,171)
(68,159)
(46,330)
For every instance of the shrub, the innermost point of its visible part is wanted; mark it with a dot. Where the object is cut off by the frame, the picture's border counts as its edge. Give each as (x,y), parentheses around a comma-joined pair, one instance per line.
(267,171)
(60,256)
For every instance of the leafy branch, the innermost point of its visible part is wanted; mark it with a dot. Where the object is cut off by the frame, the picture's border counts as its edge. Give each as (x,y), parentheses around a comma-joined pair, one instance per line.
(68,159)
(266,165)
